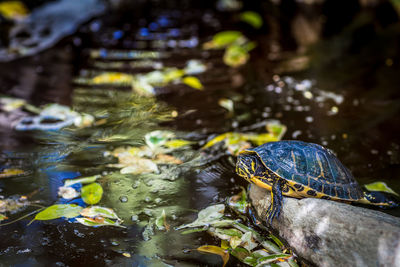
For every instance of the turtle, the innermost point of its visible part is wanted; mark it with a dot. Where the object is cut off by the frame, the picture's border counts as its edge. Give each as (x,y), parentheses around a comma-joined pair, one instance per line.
(300,169)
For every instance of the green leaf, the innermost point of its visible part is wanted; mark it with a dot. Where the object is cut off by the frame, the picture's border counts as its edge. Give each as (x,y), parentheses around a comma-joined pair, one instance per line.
(58,211)
(240,253)
(252,18)
(95,211)
(83,180)
(3,217)
(217,251)
(206,216)
(226,38)
(235,56)
(99,222)
(381,187)
(193,82)
(196,230)
(91,194)
(161,221)
(269,259)
(178,143)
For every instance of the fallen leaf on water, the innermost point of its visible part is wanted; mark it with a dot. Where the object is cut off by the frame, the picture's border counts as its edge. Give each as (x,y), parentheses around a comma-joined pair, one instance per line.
(226,103)
(167,159)
(113,78)
(193,82)
(223,39)
(92,193)
(126,254)
(13,10)
(380,186)
(58,211)
(140,165)
(252,18)
(95,211)
(6,173)
(161,222)
(272,258)
(96,222)
(206,216)
(3,217)
(235,56)
(217,251)
(83,180)
(158,138)
(178,143)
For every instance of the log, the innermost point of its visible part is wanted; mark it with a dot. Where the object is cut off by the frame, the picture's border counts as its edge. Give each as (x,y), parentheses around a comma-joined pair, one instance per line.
(329,233)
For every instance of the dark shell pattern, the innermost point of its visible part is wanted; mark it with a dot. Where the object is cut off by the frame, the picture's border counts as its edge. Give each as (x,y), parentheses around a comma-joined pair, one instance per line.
(311,165)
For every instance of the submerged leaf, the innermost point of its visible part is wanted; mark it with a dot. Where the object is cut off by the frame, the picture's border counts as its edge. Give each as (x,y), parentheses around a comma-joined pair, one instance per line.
(95,211)
(217,251)
(3,217)
(193,82)
(206,216)
(99,221)
(252,18)
(381,187)
(139,166)
(58,211)
(92,193)
(6,173)
(83,180)
(112,78)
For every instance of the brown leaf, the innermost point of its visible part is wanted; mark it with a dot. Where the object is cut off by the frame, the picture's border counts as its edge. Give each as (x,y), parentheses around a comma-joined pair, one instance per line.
(217,251)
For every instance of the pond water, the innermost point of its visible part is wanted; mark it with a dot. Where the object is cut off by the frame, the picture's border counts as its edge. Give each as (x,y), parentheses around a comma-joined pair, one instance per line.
(344,97)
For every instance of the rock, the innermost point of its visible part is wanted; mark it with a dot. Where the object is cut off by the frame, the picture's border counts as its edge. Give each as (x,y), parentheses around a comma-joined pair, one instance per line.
(329,233)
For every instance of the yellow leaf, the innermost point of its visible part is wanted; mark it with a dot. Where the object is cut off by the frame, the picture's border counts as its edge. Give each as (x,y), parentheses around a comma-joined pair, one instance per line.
(217,251)
(13,9)
(230,137)
(193,82)
(11,172)
(177,143)
(224,244)
(112,77)
(235,241)
(380,186)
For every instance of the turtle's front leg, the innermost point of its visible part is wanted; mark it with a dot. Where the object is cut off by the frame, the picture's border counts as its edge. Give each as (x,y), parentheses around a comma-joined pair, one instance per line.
(276,201)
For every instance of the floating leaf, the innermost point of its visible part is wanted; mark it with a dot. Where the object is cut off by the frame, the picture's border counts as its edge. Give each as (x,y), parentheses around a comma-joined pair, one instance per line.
(177,143)
(13,10)
(173,75)
(139,166)
(58,211)
(226,234)
(381,187)
(206,216)
(9,104)
(217,251)
(112,78)
(252,18)
(193,82)
(158,138)
(126,254)
(226,103)
(272,258)
(253,258)
(167,159)
(194,66)
(161,222)
(235,241)
(248,241)
(67,192)
(92,193)
(239,202)
(99,221)
(223,39)
(83,180)
(95,211)
(240,253)
(196,230)
(3,217)
(235,56)
(6,173)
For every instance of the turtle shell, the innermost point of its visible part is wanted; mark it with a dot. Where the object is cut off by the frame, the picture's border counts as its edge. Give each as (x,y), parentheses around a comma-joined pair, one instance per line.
(310,166)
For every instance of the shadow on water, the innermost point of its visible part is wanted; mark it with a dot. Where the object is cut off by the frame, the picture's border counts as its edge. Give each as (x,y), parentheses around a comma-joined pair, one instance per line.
(343,97)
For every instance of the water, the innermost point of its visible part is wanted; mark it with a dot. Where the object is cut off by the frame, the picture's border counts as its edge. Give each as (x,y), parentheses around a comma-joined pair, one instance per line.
(323,104)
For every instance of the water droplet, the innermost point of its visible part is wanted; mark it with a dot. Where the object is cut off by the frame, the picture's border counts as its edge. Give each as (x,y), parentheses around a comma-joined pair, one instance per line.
(123,199)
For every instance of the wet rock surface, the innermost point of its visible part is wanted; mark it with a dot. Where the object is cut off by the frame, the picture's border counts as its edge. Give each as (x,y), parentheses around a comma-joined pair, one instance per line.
(328,233)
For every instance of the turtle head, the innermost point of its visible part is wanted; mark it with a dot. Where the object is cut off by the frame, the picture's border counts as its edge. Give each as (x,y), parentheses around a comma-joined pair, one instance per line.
(246,165)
